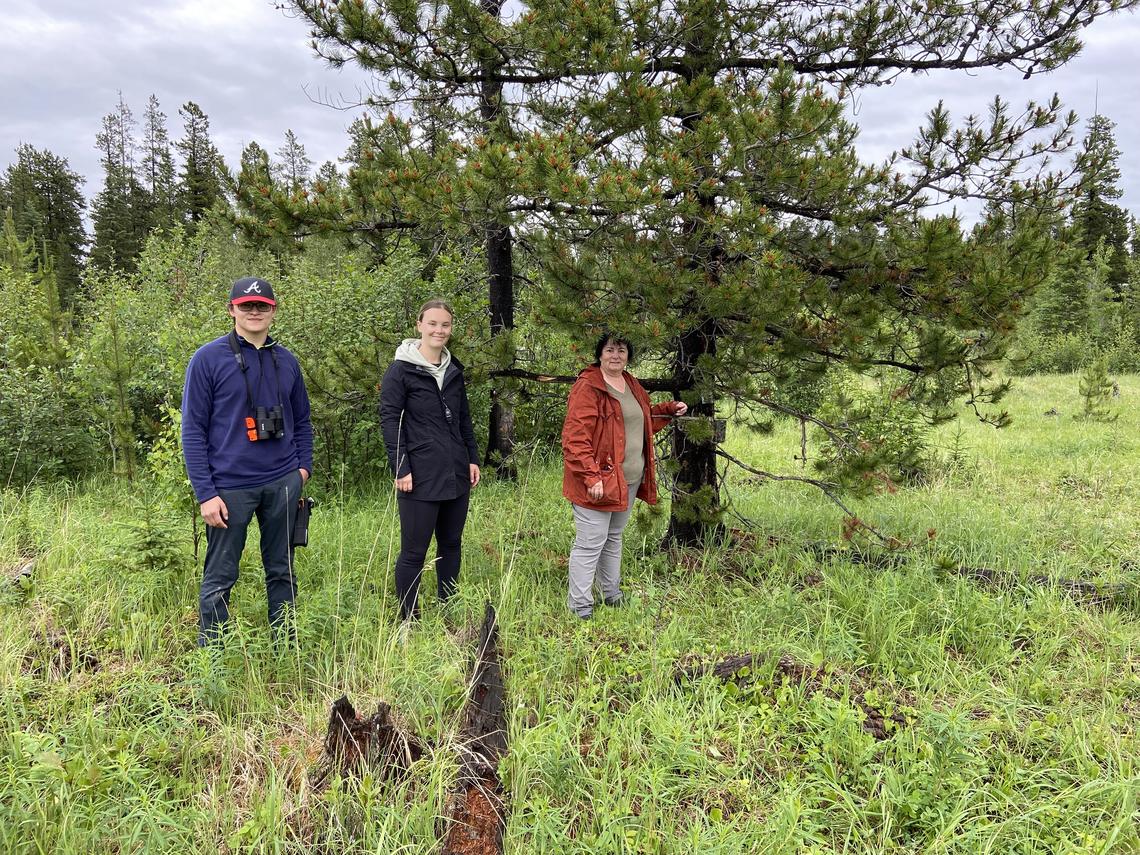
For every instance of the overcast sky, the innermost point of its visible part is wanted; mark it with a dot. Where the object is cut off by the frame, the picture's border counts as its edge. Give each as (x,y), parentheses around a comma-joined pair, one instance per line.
(63,64)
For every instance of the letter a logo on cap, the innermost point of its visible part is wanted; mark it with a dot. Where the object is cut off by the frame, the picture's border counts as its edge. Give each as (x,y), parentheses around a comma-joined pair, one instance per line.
(251,288)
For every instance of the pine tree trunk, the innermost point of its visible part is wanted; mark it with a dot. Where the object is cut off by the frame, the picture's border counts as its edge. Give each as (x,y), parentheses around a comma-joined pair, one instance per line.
(696,492)
(500,285)
(500,279)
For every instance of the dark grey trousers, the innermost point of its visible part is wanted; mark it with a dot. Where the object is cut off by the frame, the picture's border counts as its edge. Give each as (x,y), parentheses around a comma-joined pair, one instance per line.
(275,506)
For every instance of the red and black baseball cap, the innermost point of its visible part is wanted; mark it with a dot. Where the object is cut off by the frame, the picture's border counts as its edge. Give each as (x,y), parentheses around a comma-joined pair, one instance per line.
(251,290)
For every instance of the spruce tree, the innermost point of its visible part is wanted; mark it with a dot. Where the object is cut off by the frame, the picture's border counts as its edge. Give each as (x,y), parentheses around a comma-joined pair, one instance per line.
(121,210)
(46,202)
(293,166)
(202,176)
(1064,302)
(1100,220)
(157,167)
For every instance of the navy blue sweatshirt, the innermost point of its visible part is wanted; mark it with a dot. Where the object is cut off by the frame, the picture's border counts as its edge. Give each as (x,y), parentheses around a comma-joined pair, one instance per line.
(218,452)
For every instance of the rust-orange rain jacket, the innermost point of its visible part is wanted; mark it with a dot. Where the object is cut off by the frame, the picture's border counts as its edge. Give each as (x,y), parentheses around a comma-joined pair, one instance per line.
(593,442)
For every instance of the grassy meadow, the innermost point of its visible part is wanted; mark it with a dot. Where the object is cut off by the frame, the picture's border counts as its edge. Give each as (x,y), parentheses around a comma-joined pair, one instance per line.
(1005,716)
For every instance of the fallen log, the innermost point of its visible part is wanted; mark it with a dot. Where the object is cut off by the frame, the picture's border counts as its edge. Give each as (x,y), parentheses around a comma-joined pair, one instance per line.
(1079,590)
(475,822)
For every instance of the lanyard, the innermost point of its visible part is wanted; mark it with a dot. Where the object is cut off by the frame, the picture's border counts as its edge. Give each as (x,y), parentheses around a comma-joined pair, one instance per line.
(235,346)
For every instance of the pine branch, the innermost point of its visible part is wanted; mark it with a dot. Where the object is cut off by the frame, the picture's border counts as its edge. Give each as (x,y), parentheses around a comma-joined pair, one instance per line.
(823,486)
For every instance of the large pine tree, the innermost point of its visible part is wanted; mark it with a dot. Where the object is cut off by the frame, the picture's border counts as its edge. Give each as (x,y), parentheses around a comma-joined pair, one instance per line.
(688,176)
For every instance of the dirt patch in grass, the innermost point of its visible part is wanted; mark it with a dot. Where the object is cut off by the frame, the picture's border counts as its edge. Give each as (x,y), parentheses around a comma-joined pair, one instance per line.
(52,655)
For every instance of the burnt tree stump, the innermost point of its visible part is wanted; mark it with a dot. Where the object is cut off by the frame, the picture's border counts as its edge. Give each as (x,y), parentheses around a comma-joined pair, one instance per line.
(354,744)
(484,730)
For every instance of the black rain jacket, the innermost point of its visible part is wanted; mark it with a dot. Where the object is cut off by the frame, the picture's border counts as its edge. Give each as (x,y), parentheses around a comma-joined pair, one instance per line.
(418,435)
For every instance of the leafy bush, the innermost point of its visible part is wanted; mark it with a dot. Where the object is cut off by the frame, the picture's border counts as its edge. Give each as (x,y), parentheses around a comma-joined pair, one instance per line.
(1063,353)
(45,424)
(46,433)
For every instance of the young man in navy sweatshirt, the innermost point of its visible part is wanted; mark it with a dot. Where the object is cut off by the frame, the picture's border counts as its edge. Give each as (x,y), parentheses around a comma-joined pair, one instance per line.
(248,445)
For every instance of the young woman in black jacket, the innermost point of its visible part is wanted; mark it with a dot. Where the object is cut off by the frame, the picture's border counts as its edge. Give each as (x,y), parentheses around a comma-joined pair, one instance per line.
(426,423)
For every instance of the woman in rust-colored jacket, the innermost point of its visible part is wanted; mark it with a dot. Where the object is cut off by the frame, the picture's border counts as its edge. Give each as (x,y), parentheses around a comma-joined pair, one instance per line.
(608,414)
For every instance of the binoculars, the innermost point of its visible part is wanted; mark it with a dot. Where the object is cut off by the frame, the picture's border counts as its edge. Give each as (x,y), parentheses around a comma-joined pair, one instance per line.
(266,423)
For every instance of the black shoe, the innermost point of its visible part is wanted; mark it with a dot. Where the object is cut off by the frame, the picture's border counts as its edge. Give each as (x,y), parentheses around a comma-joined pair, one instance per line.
(586,616)
(615,602)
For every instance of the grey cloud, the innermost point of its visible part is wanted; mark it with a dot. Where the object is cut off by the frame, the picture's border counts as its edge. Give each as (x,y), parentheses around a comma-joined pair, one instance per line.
(258,78)
(250,82)
(1102,78)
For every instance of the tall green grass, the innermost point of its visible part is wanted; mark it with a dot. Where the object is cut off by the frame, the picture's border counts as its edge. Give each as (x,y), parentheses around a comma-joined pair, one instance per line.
(1020,704)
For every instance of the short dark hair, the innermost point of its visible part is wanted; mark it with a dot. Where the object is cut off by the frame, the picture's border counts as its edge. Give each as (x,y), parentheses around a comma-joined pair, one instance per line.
(608,337)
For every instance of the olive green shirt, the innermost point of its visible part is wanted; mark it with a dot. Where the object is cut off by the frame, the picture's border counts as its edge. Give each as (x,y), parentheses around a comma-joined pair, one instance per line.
(633,464)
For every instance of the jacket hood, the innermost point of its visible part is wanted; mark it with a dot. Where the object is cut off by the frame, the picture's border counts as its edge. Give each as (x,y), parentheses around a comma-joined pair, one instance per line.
(408,351)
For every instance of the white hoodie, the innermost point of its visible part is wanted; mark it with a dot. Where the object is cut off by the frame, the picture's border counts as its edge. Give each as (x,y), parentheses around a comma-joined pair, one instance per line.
(409,351)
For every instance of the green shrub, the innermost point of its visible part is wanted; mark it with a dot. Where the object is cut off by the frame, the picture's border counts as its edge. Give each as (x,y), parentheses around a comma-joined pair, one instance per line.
(1063,353)
(881,439)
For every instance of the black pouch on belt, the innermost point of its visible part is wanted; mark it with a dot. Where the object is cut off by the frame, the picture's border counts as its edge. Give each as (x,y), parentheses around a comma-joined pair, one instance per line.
(301,523)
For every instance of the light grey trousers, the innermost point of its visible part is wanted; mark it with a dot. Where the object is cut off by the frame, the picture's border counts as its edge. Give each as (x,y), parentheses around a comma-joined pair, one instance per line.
(596,554)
